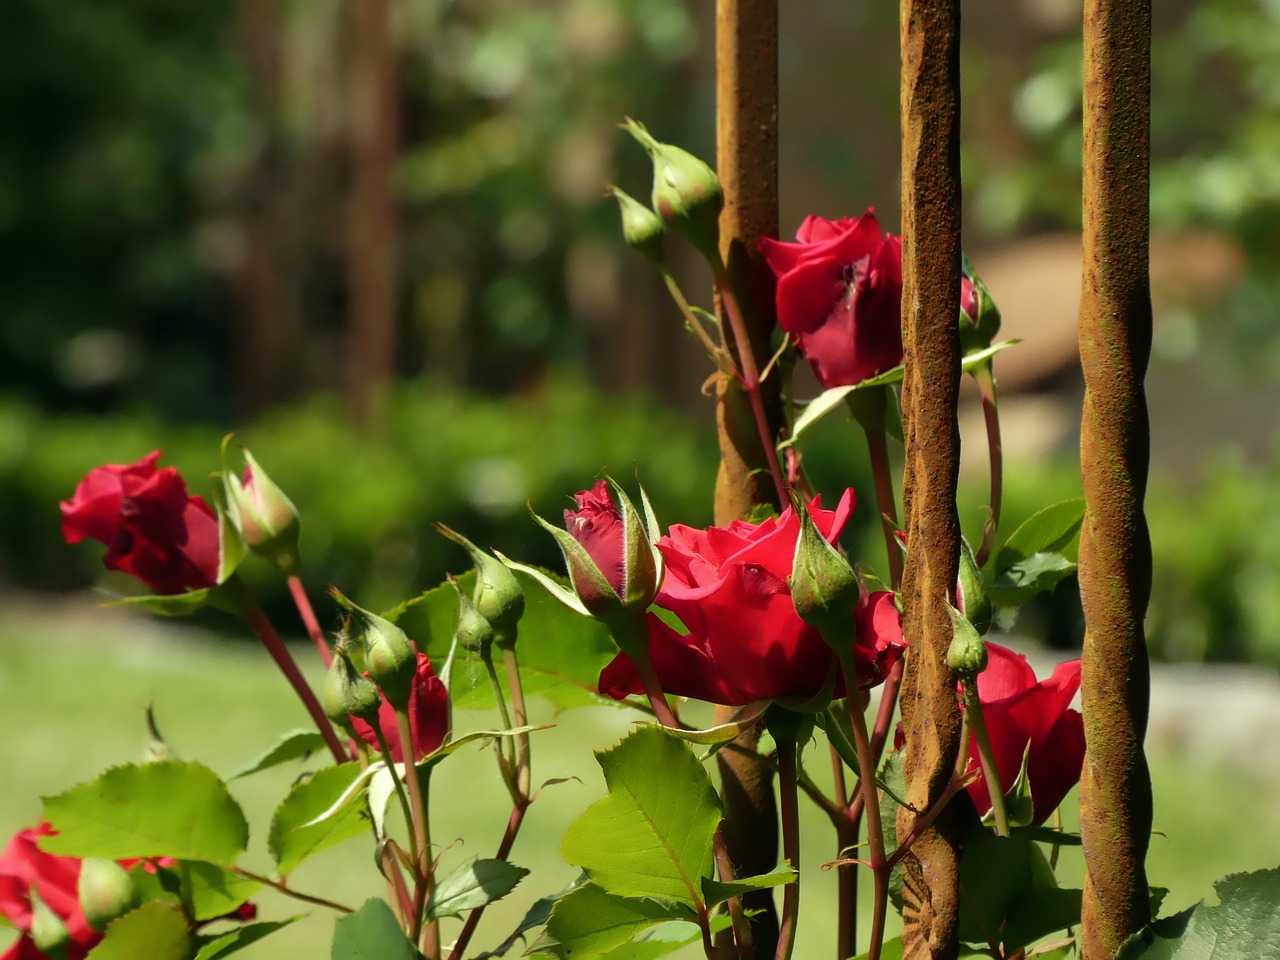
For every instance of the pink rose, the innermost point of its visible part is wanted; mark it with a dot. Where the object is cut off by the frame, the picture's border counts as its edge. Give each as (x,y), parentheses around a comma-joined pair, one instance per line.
(152,529)
(597,525)
(1029,718)
(728,586)
(840,296)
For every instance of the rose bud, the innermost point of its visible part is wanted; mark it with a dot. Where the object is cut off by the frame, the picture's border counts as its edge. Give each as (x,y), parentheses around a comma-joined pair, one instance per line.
(266,517)
(346,694)
(641,227)
(824,589)
(686,192)
(967,654)
(105,891)
(473,632)
(389,657)
(971,591)
(498,596)
(49,934)
(979,315)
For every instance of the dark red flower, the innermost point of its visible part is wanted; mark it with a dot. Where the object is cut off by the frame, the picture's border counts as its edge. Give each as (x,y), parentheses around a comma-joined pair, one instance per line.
(597,525)
(152,528)
(1032,719)
(428,716)
(745,641)
(840,296)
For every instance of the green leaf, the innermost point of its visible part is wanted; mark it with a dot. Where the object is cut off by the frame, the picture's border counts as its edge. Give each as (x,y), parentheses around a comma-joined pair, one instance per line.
(1245,925)
(219,945)
(177,605)
(472,885)
(745,718)
(994,872)
(1051,530)
(1021,581)
(561,652)
(652,835)
(889,950)
(716,892)
(587,922)
(294,837)
(1049,835)
(157,931)
(1038,913)
(371,933)
(212,891)
(291,746)
(167,808)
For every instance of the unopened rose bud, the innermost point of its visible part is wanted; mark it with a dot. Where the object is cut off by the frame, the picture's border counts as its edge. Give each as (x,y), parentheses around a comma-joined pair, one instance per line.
(389,657)
(472,631)
(979,315)
(498,596)
(641,227)
(967,654)
(824,589)
(346,694)
(971,591)
(266,518)
(49,934)
(106,891)
(686,192)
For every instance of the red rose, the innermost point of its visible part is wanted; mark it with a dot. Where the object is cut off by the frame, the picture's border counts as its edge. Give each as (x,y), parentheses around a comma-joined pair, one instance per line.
(597,525)
(746,642)
(428,716)
(24,865)
(1032,719)
(840,296)
(153,530)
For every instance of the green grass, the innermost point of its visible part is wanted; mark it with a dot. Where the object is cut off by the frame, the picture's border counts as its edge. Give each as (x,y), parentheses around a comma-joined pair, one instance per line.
(75,680)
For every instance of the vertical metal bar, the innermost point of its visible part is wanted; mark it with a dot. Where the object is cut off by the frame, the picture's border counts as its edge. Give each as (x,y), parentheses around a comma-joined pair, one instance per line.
(930,105)
(747,164)
(1115,550)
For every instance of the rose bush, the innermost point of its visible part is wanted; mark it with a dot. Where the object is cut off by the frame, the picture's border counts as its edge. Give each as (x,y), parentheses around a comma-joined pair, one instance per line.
(152,528)
(728,586)
(840,296)
(428,715)
(1030,718)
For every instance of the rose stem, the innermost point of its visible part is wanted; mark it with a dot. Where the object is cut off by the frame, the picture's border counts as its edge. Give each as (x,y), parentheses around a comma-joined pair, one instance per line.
(405,806)
(789,809)
(846,821)
(978,729)
(505,750)
(871,804)
(504,849)
(282,887)
(868,408)
(421,824)
(639,654)
(308,615)
(985,375)
(261,626)
(750,377)
(690,318)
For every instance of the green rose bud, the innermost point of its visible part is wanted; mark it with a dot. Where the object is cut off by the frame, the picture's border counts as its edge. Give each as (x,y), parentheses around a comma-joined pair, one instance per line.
(641,227)
(967,654)
(106,891)
(971,591)
(266,518)
(498,596)
(347,694)
(824,589)
(472,631)
(686,192)
(389,657)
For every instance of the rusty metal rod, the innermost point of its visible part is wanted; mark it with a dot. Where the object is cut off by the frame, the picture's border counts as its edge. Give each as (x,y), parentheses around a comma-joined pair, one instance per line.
(1115,549)
(747,164)
(930,109)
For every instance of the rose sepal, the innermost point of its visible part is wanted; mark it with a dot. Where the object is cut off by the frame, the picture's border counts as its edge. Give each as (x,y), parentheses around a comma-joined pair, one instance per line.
(687,194)
(824,589)
(979,330)
(389,657)
(644,561)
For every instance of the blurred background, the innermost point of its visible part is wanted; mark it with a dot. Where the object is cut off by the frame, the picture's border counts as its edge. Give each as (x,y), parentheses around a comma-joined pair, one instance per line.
(371,237)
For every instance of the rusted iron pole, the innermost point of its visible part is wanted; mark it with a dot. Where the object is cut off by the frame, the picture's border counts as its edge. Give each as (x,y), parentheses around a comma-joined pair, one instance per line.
(1115,549)
(747,163)
(930,105)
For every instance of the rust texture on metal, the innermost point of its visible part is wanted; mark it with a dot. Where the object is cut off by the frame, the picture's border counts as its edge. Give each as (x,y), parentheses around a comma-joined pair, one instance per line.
(747,163)
(1115,549)
(930,105)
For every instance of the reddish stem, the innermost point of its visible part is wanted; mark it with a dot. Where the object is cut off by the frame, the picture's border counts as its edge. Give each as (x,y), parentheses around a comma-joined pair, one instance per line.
(303,603)
(987,387)
(261,626)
